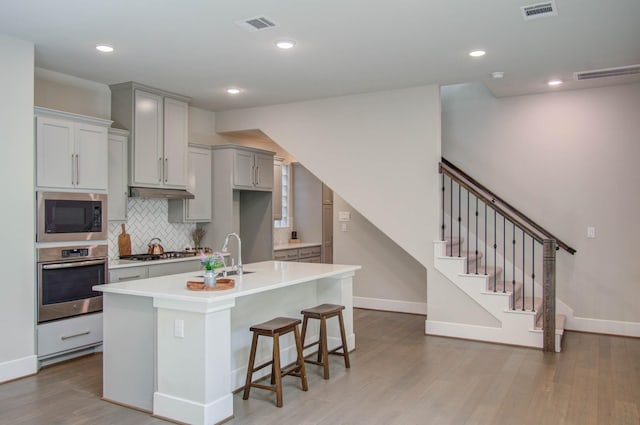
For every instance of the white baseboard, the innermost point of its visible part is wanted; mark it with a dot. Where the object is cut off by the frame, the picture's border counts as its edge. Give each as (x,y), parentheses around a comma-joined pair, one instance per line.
(611,327)
(18,368)
(390,305)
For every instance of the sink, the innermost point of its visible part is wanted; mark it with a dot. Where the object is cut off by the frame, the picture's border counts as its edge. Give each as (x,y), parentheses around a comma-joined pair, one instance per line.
(229,273)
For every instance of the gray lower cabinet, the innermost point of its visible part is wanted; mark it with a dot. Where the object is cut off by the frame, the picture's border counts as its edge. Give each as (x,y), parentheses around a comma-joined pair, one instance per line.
(153,270)
(303,255)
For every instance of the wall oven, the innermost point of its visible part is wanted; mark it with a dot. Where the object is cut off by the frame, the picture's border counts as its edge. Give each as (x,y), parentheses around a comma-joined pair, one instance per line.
(65,278)
(71,216)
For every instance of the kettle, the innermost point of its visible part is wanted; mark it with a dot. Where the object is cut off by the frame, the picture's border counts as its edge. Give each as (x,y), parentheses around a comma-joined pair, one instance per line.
(155,248)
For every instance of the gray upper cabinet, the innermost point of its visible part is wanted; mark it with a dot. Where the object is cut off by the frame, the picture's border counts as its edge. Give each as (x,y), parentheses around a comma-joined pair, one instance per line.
(252,170)
(118,194)
(196,210)
(158,122)
(71,151)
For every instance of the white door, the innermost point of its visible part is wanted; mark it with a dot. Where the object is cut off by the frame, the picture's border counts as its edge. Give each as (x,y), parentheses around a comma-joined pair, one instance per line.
(91,157)
(175,143)
(55,153)
(147,140)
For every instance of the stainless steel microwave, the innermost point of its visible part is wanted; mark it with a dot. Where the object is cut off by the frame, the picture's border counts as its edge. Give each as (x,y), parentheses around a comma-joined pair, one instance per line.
(71,216)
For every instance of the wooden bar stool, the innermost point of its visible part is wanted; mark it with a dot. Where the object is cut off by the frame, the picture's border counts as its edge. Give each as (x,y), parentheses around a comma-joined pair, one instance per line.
(322,313)
(275,328)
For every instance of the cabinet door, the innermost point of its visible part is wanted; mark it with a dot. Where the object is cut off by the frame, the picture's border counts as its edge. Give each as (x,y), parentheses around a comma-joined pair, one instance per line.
(277,190)
(327,233)
(175,143)
(263,171)
(148,161)
(128,273)
(199,209)
(117,209)
(243,172)
(55,153)
(91,157)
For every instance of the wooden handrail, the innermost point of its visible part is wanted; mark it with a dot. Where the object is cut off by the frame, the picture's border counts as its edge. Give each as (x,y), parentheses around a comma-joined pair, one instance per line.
(529,226)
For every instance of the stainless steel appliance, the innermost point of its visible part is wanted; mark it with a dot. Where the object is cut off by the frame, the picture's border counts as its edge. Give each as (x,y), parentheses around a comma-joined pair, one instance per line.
(71,216)
(65,278)
(164,256)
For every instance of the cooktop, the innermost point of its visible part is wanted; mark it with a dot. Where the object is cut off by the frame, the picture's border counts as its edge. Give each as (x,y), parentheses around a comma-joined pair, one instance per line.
(164,256)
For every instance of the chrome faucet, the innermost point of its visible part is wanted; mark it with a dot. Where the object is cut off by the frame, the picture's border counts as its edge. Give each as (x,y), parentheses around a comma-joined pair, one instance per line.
(225,248)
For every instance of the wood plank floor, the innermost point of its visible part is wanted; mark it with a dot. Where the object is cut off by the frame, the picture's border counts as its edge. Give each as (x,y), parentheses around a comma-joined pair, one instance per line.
(398,376)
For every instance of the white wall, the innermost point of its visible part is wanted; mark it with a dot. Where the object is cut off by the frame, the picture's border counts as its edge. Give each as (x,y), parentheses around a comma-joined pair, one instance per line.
(390,279)
(378,151)
(568,160)
(17,273)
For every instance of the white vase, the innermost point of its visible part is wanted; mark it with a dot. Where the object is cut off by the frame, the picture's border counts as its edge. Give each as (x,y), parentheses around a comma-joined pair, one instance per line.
(209,278)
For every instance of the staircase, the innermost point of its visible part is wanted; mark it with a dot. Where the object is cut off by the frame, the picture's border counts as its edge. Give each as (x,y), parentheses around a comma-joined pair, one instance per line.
(492,253)
(520,314)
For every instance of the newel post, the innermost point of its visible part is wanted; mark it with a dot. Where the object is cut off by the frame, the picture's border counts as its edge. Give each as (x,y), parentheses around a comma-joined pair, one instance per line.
(549,295)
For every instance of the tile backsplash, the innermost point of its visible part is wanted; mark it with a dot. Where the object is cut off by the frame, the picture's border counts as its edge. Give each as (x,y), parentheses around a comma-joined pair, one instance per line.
(147,219)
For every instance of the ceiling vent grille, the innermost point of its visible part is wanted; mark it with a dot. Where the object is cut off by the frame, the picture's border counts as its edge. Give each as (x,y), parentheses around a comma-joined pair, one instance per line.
(539,10)
(609,72)
(258,23)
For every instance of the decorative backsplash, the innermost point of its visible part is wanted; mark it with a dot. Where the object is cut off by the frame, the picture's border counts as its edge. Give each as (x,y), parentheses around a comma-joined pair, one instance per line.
(147,219)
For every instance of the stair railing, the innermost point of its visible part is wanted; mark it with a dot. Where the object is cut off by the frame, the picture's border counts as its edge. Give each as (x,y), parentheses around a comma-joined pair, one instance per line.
(493,222)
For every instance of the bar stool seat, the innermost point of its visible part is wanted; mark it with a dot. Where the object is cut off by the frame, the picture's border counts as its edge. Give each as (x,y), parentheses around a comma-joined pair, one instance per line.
(323,312)
(275,328)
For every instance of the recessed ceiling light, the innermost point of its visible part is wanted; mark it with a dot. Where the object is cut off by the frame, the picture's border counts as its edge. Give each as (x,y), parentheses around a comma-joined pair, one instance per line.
(285,44)
(104,48)
(233,90)
(554,82)
(477,53)
(497,75)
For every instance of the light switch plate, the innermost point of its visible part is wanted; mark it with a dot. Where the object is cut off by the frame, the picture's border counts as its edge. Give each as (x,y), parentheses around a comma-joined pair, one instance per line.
(591,232)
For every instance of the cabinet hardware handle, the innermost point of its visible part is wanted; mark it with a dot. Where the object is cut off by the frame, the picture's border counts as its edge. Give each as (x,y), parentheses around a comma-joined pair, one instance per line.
(160,170)
(74,335)
(73,264)
(73,169)
(77,169)
(166,170)
(129,277)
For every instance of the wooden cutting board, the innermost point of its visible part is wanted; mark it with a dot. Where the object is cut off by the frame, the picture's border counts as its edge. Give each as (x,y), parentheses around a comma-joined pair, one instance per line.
(124,242)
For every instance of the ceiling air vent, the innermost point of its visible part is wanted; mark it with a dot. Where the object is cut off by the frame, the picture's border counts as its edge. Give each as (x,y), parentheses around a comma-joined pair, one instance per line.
(539,10)
(256,24)
(609,72)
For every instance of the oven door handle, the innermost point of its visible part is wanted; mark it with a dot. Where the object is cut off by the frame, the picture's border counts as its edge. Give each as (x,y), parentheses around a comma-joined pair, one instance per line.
(71,265)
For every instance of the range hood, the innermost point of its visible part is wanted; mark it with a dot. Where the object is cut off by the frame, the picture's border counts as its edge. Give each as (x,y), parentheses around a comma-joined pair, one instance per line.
(159,193)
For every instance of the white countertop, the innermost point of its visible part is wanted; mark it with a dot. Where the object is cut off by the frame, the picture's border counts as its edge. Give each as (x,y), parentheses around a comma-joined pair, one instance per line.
(284,246)
(268,275)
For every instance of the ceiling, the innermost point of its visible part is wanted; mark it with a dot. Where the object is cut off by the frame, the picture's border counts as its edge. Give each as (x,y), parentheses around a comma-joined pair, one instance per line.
(194,48)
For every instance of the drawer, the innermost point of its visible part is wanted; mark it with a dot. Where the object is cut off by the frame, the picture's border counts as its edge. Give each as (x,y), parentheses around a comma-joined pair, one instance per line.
(286,255)
(175,268)
(69,334)
(313,251)
(310,260)
(128,273)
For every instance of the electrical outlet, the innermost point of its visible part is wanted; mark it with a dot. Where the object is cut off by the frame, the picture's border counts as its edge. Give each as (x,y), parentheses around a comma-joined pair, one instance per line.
(178,328)
(343,227)
(591,232)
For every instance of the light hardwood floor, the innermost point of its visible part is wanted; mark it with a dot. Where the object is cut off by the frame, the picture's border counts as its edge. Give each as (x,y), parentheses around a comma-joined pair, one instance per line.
(398,376)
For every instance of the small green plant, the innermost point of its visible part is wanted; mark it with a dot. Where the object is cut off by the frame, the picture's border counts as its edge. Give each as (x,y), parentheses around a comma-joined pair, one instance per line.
(211,262)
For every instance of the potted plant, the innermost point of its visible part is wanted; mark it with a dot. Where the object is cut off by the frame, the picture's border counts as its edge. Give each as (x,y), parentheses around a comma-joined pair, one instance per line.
(210,263)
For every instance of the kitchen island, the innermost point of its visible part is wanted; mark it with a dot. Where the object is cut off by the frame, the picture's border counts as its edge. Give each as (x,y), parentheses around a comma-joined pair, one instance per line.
(180,353)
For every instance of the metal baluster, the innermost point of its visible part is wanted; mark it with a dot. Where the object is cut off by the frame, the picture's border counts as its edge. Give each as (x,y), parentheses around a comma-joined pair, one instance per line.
(523,271)
(533,272)
(451,217)
(495,252)
(459,223)
(468,231)
(513,266)
(443,207)
(504,254)
(477,235)
(485,239)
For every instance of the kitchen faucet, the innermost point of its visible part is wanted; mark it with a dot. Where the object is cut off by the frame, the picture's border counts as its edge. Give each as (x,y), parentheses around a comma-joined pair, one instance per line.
(225,248)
